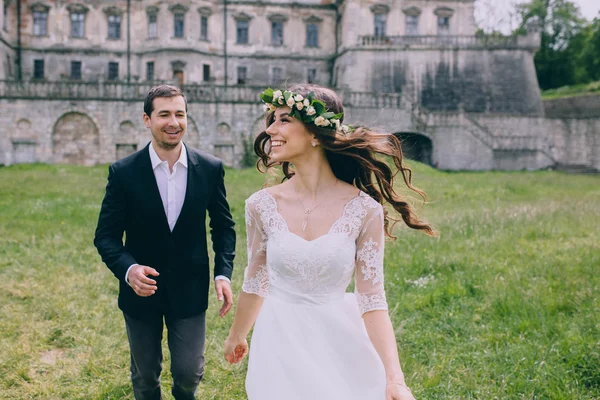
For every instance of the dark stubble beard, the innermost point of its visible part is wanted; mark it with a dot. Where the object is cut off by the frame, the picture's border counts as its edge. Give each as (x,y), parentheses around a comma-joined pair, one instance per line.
(168,146)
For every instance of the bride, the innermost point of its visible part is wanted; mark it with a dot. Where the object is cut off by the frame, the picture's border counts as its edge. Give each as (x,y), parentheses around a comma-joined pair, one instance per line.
(307,237)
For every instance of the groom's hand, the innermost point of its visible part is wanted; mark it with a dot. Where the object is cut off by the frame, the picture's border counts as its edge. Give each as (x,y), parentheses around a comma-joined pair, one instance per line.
(140,282)
(223,289)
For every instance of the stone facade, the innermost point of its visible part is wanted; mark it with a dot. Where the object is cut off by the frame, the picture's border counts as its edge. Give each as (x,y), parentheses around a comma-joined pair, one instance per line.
(587,106)
(72,79)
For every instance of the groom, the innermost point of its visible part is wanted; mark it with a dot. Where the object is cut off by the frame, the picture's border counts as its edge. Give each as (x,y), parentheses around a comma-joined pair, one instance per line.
(159,197)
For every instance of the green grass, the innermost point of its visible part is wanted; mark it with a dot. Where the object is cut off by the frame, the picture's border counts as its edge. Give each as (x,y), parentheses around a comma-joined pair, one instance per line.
(504,305)
(582,89)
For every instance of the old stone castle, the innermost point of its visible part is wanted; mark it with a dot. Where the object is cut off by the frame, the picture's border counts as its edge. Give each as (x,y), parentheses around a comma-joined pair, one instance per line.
(73,74)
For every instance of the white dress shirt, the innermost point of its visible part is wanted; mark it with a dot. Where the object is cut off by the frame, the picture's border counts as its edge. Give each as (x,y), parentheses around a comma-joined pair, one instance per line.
(172,186)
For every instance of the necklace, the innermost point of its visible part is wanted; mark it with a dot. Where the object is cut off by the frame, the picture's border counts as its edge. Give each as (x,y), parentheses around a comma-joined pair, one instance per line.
(307,210)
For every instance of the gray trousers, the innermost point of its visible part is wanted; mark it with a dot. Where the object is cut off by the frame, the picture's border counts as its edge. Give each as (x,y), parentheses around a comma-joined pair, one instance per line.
(186,344)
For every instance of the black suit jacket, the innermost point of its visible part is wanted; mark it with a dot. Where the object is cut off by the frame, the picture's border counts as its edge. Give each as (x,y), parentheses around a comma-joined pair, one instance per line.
(132,205)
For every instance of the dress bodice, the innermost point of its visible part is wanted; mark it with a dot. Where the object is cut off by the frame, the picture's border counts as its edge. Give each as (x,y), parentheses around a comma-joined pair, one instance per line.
(285,264)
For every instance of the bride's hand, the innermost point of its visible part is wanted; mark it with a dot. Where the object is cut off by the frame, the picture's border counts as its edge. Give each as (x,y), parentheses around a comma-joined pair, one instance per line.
(396,391)
(235,350)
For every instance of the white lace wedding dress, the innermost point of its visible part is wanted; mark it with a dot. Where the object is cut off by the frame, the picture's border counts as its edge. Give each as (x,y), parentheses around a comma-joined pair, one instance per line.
(309,341)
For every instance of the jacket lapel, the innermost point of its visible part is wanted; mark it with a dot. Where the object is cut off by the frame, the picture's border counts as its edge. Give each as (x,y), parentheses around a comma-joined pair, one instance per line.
(193,184)
(150,188)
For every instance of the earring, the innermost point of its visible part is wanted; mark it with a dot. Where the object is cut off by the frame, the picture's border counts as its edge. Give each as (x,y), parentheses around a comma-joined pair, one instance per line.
(314,144)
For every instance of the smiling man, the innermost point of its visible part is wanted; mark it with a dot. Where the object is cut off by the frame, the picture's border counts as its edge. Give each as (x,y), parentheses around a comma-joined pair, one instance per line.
(159,198)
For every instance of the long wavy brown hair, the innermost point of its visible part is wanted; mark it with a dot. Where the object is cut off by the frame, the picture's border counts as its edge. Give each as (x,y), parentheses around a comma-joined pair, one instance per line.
(354,159)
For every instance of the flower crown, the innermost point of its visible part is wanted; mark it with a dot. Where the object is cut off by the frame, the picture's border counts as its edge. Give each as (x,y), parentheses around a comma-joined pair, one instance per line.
(308,110)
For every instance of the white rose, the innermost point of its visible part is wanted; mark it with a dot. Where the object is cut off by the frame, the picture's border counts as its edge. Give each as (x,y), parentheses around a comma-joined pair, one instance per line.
(290,102)
(326,122)
(320,121)
(298,97)
(299,106)
(345,129)
(311,111)
(277,94)
(336,122)
(306,103)
(280,100)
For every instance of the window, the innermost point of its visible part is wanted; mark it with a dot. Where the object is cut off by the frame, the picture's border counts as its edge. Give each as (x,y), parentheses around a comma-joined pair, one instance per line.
(150,71)
(380,25)
(178,23)
(311,75)
(5,16)
(113,71)
(152,26)
(77,25)
(276,73)
(412,25)
(205,72)
(38,69)
(276,33)
(312,35)
(114,26)
(203,27)
(242,75)
(40,23)
(242,32)
(443,24)
(75,69)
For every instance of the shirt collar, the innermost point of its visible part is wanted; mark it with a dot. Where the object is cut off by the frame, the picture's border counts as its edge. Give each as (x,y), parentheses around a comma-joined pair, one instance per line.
(156,161)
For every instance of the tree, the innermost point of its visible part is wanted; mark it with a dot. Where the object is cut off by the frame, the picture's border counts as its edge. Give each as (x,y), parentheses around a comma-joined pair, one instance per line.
(560,22)
(590,54)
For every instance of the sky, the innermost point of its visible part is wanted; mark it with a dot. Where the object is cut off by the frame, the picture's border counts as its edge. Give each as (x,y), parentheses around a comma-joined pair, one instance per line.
(497,13)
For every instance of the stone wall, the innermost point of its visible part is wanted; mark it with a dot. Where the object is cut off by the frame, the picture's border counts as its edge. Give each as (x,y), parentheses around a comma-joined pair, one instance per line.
(91,132)
(587,106)
(484,80)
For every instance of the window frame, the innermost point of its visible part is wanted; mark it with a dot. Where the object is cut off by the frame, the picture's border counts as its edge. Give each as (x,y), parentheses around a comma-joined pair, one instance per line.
(179,17)
(112,74)
(315,35)
(80,22)
(150,71)
(308,75)
(245,30)
(36,14)
(152,26)
(116,24)
(36,68)
(79,70)
(245,74)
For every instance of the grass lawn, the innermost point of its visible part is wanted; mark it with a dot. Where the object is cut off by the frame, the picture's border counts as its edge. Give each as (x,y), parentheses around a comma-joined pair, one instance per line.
(504,305)
(581,89)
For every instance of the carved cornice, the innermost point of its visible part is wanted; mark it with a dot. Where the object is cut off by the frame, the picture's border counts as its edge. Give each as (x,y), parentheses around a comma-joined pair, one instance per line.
(152,10)
(77,9)
(380,8)
(412,11)
(242,16)
(277,18)
(40,7)
(112,10)
(444,12)
(313,19)
(178,9)
(205,11)
(178,65)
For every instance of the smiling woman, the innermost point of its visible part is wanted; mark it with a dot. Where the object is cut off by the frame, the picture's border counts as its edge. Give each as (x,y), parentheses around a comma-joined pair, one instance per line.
(307,238)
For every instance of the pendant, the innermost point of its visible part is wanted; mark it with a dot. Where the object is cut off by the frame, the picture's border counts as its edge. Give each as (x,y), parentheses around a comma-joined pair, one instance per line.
(307,211)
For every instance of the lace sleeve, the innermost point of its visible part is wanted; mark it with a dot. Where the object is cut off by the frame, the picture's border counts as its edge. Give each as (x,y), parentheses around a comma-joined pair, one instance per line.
(368,275)
(256,276)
